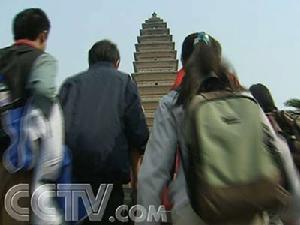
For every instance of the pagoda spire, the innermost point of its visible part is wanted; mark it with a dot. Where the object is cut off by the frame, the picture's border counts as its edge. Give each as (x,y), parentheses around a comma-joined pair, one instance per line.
(155,64)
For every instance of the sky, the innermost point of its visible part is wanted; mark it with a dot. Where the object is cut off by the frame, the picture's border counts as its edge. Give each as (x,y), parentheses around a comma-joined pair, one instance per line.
(261,38)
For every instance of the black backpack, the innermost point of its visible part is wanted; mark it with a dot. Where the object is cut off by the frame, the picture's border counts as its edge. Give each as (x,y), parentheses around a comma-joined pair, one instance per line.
(15,67)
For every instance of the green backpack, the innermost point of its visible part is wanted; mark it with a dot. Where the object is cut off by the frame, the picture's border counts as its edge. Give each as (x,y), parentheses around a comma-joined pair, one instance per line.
(233,171)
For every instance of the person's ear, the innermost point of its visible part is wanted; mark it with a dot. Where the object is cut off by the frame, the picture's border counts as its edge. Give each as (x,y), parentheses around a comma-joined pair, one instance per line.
(117,64)
(42,38)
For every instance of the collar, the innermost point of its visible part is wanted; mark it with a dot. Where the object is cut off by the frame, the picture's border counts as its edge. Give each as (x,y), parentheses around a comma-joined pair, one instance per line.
(25,42)
(102,64)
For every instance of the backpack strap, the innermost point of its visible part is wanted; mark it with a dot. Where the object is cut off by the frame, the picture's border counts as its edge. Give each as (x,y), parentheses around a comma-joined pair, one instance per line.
(218,95)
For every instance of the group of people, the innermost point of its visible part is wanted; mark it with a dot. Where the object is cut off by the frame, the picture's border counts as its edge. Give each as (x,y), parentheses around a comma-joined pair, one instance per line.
(96,126)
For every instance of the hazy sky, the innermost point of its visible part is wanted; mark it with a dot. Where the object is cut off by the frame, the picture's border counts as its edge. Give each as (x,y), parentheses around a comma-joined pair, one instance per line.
(260,37)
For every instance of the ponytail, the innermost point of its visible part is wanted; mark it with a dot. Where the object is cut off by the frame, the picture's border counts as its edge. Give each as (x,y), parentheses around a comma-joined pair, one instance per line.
(205,72)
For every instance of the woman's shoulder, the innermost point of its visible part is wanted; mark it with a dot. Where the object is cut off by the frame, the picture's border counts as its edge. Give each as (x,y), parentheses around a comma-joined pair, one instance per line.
(169,100)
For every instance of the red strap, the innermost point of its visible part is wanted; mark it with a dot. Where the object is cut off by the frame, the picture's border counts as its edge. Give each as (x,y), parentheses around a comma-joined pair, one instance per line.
(179,78)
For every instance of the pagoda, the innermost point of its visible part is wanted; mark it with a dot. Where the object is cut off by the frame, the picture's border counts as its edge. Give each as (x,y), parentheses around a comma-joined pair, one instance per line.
(155,64)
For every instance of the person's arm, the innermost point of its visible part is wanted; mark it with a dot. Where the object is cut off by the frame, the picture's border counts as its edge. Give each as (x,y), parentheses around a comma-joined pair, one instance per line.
(48,142)
(136,128)
(159,157)
(42,82)
(136,159)
(42,86)
(43,76)
(136,131)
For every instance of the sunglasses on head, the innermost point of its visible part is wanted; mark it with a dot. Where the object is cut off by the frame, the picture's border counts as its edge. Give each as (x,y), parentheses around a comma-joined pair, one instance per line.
(202,37)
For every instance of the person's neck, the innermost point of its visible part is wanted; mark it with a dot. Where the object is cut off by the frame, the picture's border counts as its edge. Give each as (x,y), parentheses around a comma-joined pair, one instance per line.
(28,42)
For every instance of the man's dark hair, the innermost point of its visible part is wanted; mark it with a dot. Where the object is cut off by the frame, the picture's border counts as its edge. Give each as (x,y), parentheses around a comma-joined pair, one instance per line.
(103,51)
(264,97)
(29,23)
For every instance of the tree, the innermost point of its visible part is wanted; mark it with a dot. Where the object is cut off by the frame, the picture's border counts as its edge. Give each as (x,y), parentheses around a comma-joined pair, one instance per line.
(294,102)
